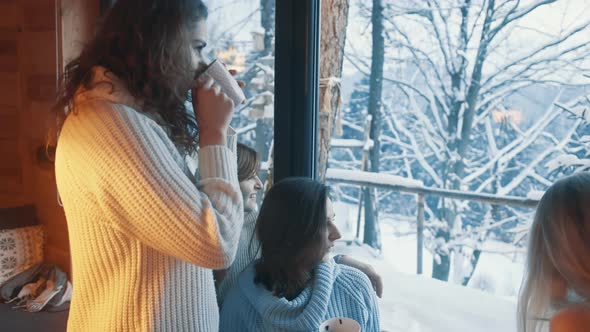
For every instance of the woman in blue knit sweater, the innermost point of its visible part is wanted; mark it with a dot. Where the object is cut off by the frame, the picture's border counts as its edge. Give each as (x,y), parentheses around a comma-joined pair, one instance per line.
(295,285)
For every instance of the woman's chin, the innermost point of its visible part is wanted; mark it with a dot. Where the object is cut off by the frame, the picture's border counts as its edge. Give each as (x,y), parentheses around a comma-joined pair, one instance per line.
(250,207)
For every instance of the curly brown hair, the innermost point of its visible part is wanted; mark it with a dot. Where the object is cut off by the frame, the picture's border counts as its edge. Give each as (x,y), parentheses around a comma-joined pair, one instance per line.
(145,43)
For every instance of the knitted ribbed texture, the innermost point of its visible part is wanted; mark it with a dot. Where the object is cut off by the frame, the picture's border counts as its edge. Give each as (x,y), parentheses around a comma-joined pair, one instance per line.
(143,236)
(247,252)
(337,291)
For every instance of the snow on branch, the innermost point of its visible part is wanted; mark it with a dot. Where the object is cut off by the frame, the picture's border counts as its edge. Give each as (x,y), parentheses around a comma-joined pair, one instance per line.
(555,44)
(582,112)
(245,129)
(530,167)
(515,14)
(515,147)
(566,160)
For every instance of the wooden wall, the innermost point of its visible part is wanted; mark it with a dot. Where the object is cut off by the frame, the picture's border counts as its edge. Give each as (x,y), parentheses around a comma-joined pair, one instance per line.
(36,38)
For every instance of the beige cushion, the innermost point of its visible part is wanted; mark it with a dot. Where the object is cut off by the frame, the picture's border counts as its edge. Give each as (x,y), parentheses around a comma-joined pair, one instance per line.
(20,248)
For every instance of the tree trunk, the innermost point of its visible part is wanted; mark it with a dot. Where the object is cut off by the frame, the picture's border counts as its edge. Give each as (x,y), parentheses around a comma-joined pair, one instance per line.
(264,131)
(267,21)
(371,235)
(333,38)
(264,134)
(441,271)
(442,266)
(460,143)
(495,215)
(474,261)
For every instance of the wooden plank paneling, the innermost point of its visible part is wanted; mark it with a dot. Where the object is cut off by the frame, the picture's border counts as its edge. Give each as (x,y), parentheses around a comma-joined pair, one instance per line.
(28,71)
(11,185)
(39,48)
(9,89)
(10,15)
(45,123)
(39,15)
(41,87)
(8,123)
(11,173)
(9,199)
(9,152)
(10,167)
(8,53)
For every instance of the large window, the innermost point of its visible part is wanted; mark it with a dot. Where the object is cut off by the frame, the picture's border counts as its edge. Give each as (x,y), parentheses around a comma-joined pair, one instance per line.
(455,117)
(241,34)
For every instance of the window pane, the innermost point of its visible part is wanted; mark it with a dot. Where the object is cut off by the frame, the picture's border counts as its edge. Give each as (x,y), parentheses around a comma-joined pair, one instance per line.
(241,34)
(453,100)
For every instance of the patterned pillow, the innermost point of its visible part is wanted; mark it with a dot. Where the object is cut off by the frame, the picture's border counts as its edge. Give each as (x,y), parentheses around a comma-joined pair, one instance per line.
(20,248)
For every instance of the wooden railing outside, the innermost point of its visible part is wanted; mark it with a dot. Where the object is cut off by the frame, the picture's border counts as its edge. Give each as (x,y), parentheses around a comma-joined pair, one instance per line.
(399,184)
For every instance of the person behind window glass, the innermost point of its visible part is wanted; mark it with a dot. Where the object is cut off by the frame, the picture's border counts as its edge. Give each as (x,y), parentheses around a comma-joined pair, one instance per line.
(248,247)
(556,285)
(250,186)
(144,233)
(295,285)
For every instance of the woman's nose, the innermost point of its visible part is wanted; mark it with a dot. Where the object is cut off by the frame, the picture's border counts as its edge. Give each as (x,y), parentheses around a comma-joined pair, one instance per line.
(204,60)
(258,184)
(334,233)
(202,65)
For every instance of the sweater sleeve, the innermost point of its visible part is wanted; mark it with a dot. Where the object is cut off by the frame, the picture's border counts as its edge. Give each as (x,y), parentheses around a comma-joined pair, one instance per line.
(144,193)
(373,310)
(370,303)
(358,287)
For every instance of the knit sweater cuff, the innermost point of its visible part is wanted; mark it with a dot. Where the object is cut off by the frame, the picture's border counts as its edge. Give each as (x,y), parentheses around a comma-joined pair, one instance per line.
(216,161)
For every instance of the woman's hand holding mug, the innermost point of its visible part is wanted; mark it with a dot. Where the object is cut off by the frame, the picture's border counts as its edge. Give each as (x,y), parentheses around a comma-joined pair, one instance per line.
(214,99)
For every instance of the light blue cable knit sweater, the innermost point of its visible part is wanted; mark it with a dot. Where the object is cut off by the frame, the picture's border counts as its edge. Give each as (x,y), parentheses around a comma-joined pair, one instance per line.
(337,291)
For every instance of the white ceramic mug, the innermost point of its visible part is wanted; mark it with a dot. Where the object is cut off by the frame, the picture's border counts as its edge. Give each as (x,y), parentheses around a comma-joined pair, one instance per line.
(340,324)
(219,73)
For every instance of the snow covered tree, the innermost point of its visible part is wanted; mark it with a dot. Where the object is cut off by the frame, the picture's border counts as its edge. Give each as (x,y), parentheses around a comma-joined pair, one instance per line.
(576,154)
(371,232)
(454,107)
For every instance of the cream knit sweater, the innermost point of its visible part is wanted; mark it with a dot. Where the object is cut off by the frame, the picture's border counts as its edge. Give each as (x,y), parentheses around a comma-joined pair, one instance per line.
(143,236)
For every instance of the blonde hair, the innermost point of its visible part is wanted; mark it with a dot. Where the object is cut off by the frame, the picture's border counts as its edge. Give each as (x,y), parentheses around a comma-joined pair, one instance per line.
(559,247)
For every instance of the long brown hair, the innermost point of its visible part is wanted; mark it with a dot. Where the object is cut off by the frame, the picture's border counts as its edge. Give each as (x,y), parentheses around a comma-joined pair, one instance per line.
(144,43)
(290,226)
(559,250)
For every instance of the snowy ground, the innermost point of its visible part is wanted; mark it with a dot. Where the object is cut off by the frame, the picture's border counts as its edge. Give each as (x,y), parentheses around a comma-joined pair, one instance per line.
(416,303)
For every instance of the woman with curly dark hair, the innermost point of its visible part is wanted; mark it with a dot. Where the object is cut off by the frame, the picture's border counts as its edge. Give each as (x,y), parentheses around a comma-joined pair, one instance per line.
(144,234)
